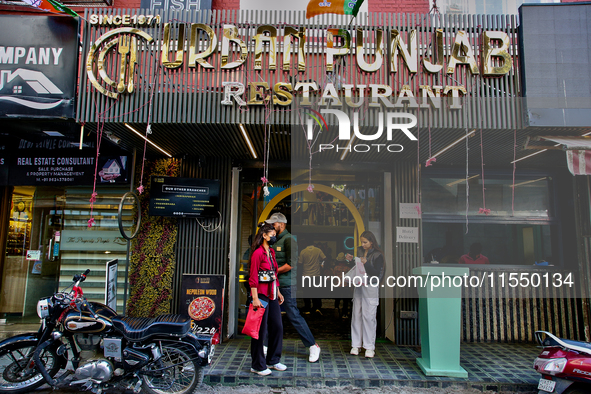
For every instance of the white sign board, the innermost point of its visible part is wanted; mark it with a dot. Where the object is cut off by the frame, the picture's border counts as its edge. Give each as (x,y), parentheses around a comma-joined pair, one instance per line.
(96,241)
(111,284)
(410,210)
(407,234)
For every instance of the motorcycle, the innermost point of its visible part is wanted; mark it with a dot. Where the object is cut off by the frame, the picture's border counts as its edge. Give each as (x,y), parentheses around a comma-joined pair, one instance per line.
(565,365)
(104,350)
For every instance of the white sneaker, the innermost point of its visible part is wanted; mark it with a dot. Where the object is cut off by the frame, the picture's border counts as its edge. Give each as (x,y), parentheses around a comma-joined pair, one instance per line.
(264,372)
(278,367)
(265,350)
(370,353)
(355,351)
(314,353)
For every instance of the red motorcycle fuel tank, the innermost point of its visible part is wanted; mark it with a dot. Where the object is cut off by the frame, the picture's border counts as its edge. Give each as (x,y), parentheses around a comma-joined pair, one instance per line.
(76,322)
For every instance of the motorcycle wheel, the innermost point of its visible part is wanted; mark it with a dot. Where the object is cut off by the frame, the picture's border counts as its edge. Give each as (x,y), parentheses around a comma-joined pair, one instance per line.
(181,379)
(577,390)
(14,359)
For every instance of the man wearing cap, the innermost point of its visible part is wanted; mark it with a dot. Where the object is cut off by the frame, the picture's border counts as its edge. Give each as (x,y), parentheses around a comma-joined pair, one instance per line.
(286,250)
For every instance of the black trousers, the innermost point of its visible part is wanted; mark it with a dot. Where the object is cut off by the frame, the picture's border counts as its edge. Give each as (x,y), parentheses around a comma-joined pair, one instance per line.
(273,326)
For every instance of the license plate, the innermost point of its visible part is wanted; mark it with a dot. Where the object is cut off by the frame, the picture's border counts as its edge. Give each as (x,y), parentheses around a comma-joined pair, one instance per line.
(546,385)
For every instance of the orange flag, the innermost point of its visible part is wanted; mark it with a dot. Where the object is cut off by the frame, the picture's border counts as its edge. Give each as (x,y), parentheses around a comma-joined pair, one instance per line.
(341,7)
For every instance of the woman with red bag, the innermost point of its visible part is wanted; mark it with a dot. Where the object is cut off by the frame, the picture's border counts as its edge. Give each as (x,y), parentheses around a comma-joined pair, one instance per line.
(264,288)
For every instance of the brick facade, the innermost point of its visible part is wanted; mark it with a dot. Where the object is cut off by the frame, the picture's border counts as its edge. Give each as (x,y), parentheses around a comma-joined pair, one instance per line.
(225,4)
(399,6)
(386,6)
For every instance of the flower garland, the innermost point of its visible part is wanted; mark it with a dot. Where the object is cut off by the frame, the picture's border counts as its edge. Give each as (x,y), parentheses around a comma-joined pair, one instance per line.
(152,260)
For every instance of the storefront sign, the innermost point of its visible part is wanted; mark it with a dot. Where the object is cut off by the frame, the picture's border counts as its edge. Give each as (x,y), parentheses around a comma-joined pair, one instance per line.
(184,197)
(410,210)
(96,241)
(57,161)
(111,284)
(176,5)
(38,65)
(112,59)
(407,234)
(202,298)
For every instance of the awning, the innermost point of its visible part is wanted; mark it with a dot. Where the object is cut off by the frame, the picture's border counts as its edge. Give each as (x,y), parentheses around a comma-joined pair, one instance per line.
(570,142)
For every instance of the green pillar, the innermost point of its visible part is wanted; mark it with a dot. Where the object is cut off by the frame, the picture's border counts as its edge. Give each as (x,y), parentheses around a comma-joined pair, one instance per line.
(440,309)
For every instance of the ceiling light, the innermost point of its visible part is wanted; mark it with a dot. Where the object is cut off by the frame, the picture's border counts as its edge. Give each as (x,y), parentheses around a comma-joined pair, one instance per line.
(528,182)
(245,135)
(81,136)
(53,133)
(153,144)
(347,149)
(462,180)
(453,143)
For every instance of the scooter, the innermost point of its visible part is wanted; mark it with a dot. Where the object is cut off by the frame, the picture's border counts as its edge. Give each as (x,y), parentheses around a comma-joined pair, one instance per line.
(565,365)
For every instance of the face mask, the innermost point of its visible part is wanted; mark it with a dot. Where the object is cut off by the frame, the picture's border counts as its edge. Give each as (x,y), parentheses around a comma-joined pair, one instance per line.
(272,240)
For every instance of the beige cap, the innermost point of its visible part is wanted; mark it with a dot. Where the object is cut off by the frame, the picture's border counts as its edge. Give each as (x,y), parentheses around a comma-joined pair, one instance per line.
(276,218)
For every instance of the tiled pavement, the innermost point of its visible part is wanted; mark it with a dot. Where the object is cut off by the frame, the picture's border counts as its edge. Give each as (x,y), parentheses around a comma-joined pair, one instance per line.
(490,366)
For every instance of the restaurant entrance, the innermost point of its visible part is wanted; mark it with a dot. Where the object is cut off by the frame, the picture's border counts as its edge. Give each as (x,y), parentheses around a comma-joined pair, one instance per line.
(329,218)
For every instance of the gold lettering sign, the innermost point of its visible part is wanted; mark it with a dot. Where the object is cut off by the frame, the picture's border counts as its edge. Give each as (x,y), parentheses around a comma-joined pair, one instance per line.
(231,35)
(260,40)
(410,53)
(332,49)
(194,57)
(180,47)
(379,51)
(125,38)
(462,53)
(289,34)
(438,49)
(491,52)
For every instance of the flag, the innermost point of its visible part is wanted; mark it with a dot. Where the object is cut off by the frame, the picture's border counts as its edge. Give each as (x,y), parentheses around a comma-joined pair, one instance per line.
(341,7)
(579,162)
(51,6)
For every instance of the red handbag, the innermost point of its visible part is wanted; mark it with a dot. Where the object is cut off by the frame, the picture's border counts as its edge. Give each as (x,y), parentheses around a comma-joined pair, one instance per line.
(253,321)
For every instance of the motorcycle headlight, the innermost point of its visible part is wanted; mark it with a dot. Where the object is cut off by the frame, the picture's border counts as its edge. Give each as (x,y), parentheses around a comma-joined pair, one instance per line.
(43,307)
(551,366)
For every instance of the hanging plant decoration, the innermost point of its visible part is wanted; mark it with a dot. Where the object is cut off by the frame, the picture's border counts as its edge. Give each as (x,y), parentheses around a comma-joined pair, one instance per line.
(152,260)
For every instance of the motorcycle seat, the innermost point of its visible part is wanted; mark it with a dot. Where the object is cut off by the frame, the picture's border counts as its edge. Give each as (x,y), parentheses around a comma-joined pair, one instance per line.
(140,328)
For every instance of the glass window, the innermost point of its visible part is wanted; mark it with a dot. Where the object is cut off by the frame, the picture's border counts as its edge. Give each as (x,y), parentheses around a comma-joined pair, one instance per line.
(446,195)
(521,228)
(514,244)
(49,241)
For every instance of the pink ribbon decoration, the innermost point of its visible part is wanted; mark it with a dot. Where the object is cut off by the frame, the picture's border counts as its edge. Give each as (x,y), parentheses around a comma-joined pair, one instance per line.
(90,222)
(93,197)
(311,188)
(264,180)
(140,189)
(418,208)
(429,161)
(485,211)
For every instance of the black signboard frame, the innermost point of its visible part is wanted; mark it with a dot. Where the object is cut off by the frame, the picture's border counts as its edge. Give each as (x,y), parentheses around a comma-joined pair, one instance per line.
(39,65)
(199,289)
(184,197)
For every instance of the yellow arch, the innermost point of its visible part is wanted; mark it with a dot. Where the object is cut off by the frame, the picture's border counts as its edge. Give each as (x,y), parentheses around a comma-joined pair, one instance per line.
(359,226)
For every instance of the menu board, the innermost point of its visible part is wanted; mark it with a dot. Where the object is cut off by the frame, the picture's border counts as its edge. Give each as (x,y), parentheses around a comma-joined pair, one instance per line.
(184,197)
(202,299)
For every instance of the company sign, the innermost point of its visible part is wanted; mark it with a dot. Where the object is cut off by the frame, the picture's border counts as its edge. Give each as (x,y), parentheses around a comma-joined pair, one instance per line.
(38,65)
